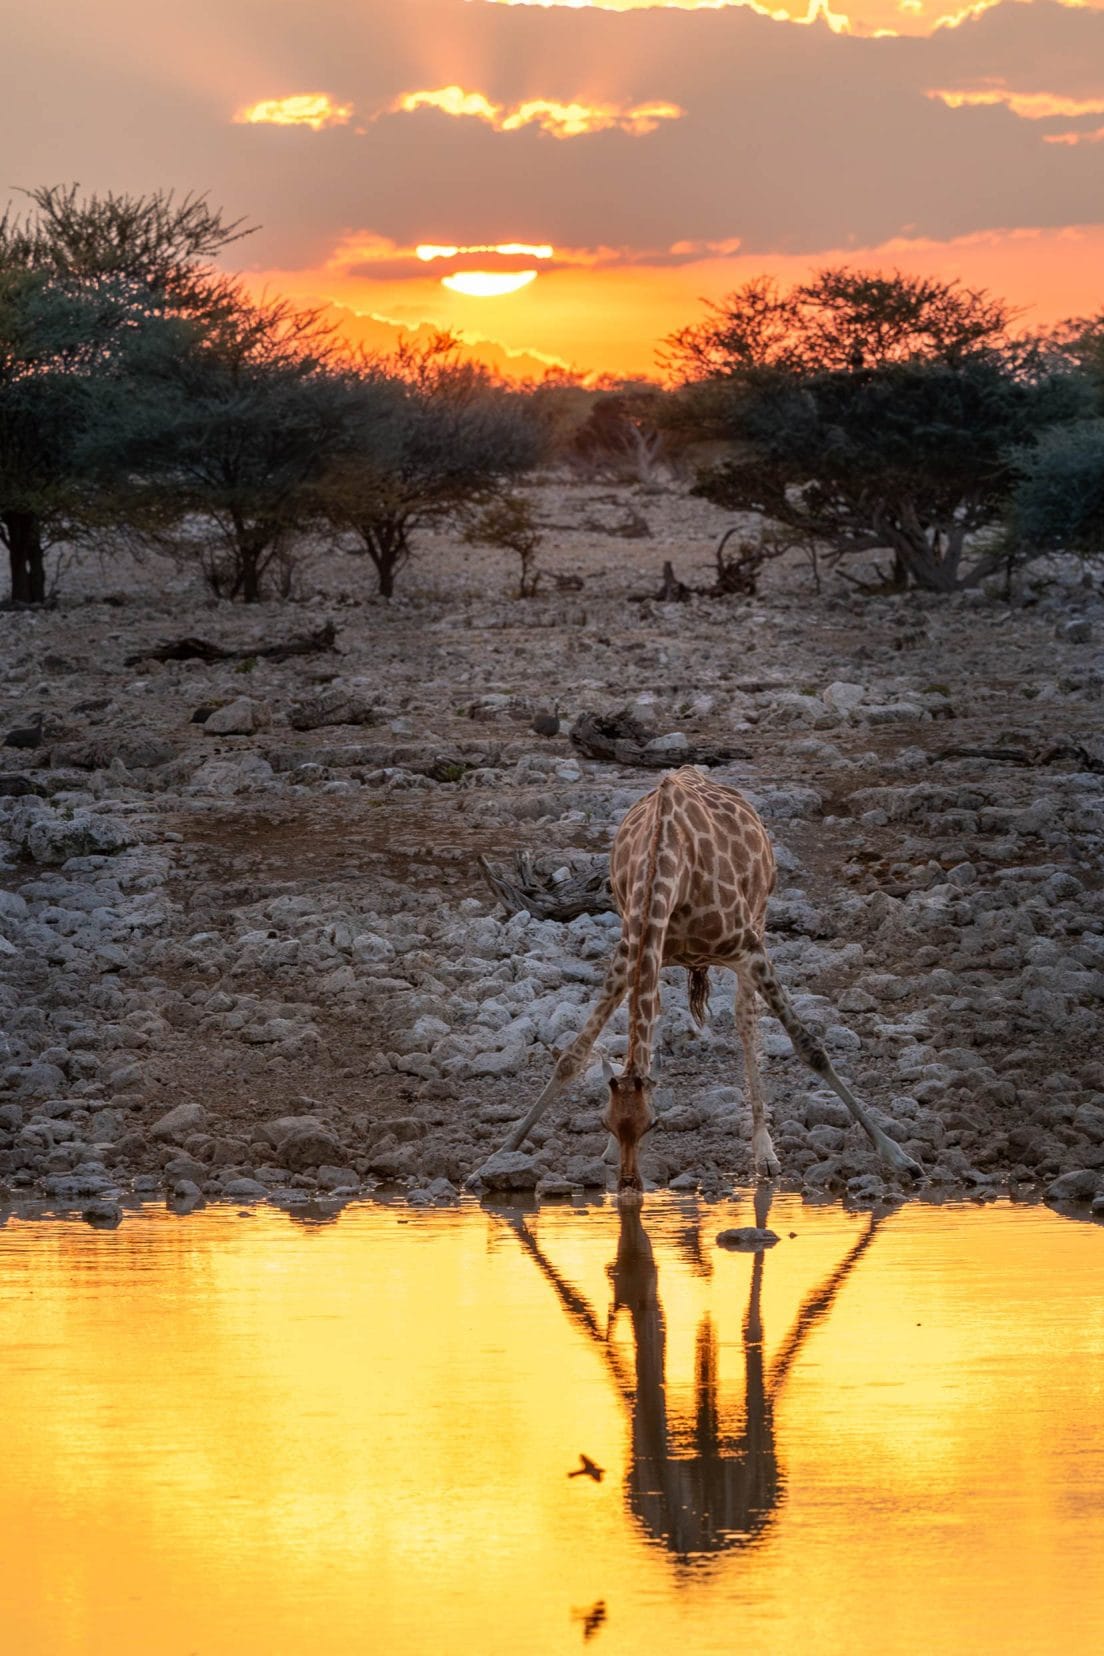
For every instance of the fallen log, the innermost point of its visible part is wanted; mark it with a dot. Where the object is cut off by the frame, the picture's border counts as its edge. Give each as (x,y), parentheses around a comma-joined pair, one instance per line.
(549,888)
(622,740)
(200,649)
(1086,756)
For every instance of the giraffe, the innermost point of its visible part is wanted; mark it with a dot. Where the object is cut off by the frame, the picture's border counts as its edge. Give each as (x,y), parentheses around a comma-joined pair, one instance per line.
(691,868)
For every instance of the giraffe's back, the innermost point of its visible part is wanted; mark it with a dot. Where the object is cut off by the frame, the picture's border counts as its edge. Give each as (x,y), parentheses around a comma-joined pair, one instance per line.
(722,863)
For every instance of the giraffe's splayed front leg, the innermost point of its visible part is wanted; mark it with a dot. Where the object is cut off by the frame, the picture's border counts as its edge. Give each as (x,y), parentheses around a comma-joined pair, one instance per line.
(811,1052)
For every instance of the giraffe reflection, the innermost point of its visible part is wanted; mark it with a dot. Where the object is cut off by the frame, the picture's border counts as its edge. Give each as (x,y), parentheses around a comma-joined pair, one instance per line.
(708,1483)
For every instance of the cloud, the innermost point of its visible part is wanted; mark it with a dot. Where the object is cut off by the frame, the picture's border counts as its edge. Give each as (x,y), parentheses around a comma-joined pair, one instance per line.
(306,109)
(509,250)
(1095,136)
(858,17)
(1029,106)
(791,140)
(561,120)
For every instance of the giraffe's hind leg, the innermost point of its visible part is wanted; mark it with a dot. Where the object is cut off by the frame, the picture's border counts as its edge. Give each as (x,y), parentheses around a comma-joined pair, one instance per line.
(813,1055)
(762,1149)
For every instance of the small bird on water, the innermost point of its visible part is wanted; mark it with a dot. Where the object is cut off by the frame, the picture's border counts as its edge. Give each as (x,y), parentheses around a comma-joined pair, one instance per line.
(591,1619)
(588,1469)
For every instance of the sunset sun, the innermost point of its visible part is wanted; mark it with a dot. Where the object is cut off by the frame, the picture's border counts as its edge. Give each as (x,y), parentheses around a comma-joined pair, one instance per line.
(488,284)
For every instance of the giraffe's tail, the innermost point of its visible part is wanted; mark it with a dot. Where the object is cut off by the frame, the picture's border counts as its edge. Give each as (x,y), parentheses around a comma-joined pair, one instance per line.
(698,991)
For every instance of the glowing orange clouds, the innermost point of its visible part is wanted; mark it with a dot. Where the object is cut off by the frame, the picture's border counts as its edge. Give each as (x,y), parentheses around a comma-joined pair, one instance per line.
(303,109)
(860,17)
(427,251)
(486,284)
(560,120)
(802,11)
(1029,106)
(1096,136)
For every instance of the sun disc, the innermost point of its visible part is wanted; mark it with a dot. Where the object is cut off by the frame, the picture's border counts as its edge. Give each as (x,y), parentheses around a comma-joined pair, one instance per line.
(488,284)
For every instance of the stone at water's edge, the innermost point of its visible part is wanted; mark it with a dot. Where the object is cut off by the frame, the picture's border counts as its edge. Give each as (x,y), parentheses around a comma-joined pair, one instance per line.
(747,1239)
(245,1190)
(509,1170)
(1079,1186)
(103,1214)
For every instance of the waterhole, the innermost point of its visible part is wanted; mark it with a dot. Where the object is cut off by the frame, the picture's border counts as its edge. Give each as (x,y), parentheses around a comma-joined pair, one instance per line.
(407,1431)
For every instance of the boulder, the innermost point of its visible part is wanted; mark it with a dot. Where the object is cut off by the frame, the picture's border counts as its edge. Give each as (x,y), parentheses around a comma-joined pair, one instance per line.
(333,704)
(176,1125)
(843,697)
(309,1145)
(240,717)
(47,837)
(747,1239)
(1081,1185)
(103,1213)
(510,1170)
(245,1190)
(670,749)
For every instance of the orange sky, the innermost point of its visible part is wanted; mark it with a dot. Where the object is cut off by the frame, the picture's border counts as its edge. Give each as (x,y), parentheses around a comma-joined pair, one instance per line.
(611,320)
(654,154)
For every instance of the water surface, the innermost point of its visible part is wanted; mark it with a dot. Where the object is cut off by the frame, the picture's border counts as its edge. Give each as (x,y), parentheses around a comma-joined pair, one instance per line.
(265,1434)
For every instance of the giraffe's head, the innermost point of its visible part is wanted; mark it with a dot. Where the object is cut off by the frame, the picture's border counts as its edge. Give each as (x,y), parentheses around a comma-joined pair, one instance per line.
(630,1114)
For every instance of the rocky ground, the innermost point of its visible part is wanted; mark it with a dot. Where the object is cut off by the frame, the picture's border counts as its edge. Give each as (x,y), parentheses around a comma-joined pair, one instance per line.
(246,950)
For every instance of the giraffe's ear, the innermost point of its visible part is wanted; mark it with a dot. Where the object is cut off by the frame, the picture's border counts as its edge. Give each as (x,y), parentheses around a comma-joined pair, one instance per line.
(607,1068)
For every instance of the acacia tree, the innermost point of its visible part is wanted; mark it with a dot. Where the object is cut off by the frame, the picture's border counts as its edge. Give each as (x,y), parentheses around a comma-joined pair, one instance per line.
(870,413)
(839,319)
(159,243)
(59,344)
(435,435)
(917,458)
(79,277)
(221,433)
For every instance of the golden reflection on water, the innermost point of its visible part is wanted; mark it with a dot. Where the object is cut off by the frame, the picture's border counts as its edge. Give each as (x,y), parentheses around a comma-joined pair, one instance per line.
(261,1435)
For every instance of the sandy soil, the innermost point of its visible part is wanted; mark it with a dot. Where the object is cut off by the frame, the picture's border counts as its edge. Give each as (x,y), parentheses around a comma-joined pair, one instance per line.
(262,961)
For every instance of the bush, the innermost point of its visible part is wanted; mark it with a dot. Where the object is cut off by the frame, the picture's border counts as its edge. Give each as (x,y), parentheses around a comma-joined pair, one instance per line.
(1058,504)
(435,437)
(509,522)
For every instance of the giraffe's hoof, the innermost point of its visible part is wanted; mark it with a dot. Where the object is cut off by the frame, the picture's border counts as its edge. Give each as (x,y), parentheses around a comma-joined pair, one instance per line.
(764,1160)
(899,1161)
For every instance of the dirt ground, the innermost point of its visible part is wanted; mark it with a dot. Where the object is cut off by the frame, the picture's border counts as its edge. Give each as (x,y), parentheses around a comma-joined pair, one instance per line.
(246,949)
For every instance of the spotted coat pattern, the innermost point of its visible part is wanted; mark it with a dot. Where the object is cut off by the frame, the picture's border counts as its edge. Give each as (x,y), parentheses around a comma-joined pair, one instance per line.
(692,869)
